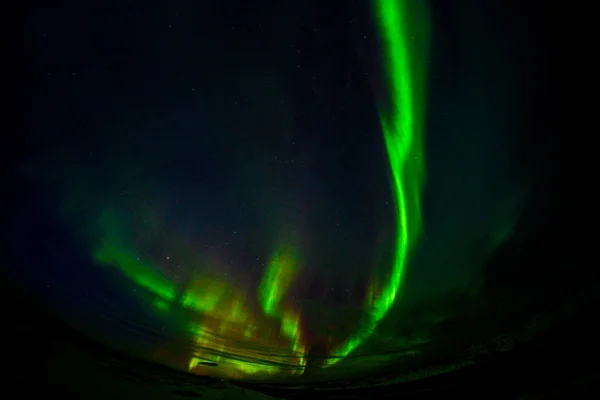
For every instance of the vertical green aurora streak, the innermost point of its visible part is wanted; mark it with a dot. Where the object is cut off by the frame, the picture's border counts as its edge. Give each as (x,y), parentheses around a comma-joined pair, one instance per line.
(403,31)
(276,281)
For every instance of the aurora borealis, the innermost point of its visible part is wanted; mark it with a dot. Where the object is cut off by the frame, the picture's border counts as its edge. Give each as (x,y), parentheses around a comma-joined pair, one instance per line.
(403,143)
(262,210)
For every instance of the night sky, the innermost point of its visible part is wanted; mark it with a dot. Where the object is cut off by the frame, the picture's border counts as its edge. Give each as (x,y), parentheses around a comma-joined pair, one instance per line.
(194,141)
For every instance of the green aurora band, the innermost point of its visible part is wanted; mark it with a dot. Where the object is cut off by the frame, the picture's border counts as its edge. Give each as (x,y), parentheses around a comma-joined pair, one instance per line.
(276,281)
(404,28)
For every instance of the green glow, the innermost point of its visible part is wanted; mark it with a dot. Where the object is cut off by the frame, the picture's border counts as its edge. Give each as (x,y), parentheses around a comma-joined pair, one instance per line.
(275,283)
(161,305)
(403,135)
(135,267)
(277,280)
(225,326)
(234,345)
(203,297)
(290,328)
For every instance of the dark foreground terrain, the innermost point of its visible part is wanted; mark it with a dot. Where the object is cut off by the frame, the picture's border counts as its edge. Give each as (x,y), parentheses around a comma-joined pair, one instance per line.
(46,358)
